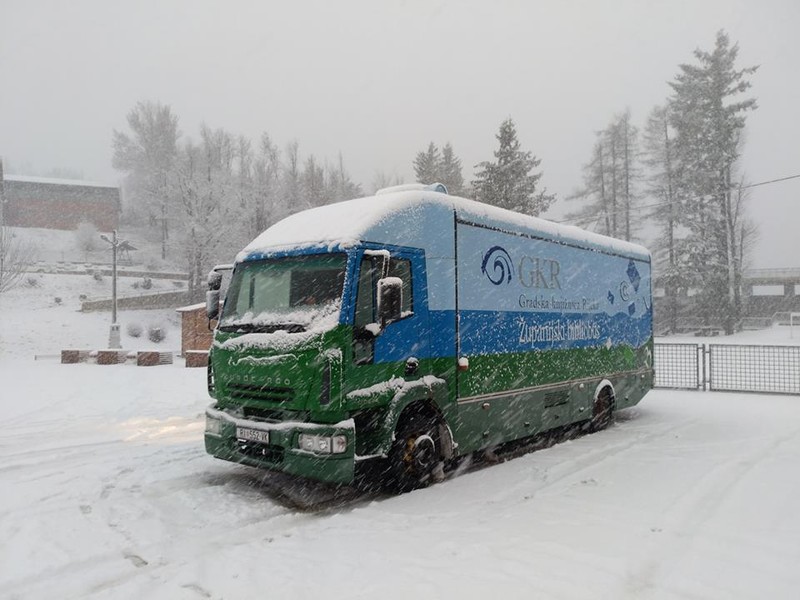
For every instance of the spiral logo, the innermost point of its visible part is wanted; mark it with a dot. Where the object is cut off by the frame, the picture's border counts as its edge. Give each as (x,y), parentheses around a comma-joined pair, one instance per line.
(501,265)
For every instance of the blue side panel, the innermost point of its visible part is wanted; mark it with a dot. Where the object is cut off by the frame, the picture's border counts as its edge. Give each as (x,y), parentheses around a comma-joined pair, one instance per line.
(517,293)
(484,332)
(443,333)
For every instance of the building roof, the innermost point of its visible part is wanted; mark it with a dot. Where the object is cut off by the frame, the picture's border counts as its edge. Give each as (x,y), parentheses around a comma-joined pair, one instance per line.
(53,181)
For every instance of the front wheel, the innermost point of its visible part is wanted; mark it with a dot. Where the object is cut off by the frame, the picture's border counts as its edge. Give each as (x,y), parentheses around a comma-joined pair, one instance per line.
(415,455)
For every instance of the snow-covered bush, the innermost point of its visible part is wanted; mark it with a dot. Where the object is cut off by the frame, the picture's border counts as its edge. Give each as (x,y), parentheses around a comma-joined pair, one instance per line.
(134,329)
(156,334)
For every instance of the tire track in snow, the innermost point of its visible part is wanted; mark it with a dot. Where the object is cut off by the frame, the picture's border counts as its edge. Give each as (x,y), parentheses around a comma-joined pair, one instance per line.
(552,476)
(683,520)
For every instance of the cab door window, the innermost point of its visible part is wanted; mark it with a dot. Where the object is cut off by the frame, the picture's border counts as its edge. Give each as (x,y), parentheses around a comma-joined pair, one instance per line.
(365,320)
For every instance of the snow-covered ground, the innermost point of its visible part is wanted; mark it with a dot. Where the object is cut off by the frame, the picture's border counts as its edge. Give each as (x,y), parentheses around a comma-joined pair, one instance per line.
(108,493)
(55,245)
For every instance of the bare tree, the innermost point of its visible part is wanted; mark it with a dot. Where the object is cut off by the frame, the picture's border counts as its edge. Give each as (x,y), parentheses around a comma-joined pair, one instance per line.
(148,155)
(86,238)
(14,257)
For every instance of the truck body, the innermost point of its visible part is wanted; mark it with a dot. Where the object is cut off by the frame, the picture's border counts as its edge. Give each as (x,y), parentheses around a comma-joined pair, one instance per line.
(414,327)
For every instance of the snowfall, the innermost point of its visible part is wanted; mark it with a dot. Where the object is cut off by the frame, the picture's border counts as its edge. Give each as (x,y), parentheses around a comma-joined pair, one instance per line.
(107,493)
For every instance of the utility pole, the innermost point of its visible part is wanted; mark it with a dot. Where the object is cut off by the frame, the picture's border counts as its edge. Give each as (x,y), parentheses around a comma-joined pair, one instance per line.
(113,336)
(2,196)
(3,241)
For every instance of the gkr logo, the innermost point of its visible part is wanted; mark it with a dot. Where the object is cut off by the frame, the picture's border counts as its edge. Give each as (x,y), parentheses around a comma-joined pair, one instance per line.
(499,263)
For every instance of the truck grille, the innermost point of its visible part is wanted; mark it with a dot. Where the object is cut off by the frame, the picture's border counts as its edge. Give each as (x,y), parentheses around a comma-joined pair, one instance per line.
(243,391)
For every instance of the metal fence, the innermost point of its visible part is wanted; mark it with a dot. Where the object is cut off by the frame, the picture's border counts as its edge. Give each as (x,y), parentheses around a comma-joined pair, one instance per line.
(767,369)
(728,367)
(678,366)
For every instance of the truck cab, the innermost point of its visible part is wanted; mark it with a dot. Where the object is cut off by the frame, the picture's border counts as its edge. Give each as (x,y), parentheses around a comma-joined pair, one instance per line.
(310,348)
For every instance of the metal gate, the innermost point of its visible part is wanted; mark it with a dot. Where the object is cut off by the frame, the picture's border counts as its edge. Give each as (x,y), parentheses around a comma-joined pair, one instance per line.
(728,367)
(678,366)
(765,369)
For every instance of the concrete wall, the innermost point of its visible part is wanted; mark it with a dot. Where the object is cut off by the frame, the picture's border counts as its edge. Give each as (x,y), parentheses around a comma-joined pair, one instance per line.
(158,300)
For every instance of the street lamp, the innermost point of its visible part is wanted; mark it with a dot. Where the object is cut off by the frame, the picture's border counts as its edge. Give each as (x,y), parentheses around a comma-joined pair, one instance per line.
(114,336)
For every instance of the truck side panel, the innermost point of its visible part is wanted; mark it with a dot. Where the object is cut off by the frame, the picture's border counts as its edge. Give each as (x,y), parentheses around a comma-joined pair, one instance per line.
(542,322)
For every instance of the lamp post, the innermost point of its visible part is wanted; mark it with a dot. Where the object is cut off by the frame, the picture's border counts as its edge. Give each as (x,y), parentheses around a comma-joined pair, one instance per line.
(113,336)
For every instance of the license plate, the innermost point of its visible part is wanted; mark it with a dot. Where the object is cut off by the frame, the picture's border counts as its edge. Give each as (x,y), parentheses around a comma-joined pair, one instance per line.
(252,435)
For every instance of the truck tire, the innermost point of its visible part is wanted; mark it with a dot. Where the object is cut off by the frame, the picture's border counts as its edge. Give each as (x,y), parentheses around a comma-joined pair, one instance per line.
(415,454)
(602,410)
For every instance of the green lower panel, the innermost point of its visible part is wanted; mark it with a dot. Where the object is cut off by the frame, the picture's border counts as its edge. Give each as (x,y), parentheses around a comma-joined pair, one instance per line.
(507,397)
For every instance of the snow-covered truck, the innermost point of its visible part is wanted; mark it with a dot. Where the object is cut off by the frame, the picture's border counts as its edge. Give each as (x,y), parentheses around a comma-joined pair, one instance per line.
(413,328)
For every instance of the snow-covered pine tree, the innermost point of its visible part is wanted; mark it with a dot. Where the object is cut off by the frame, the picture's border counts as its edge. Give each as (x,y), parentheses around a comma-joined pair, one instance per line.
(508,182)
(427,165)
(663,185)
(708,116)
(625,137)
(596,210)
(450,171)
(609,181)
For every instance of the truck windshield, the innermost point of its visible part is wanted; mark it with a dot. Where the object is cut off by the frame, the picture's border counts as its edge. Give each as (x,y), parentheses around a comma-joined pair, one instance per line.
(292,294)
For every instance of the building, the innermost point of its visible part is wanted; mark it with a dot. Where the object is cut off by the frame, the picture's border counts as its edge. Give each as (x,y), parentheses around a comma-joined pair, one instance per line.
(59,203)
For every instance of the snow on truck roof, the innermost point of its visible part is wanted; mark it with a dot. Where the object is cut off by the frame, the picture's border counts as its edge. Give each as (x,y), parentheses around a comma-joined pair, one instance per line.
(416,218)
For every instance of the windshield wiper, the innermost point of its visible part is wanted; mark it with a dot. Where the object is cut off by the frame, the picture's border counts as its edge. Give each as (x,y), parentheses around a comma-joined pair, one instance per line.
(264,328)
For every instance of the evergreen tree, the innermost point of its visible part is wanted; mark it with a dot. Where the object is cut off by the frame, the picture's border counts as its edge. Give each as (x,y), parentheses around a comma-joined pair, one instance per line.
(427,165)
(663,185)
(508,182)
(708,117)
(450,171)
(596,202)
(609,181)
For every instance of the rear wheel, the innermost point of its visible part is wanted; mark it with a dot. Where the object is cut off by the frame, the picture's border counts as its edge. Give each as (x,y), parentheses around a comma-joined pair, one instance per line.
(416,453)
(602,410)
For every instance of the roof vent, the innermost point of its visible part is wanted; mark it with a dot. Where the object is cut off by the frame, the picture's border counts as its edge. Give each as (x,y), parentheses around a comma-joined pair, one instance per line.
(413,187)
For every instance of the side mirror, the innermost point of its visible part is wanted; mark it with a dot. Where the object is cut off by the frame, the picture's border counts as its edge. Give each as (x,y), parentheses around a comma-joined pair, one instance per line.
(212,304)
(390,300)
(214,280)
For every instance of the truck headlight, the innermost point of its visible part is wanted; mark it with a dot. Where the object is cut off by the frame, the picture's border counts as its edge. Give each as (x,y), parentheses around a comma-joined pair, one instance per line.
(322,444)
(213,426)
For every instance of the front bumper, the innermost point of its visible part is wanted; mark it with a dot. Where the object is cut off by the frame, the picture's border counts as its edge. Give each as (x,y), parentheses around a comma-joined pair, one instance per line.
(282,452)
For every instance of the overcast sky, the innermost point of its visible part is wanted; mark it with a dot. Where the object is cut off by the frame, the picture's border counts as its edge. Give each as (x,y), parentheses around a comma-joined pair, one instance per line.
(379,80)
